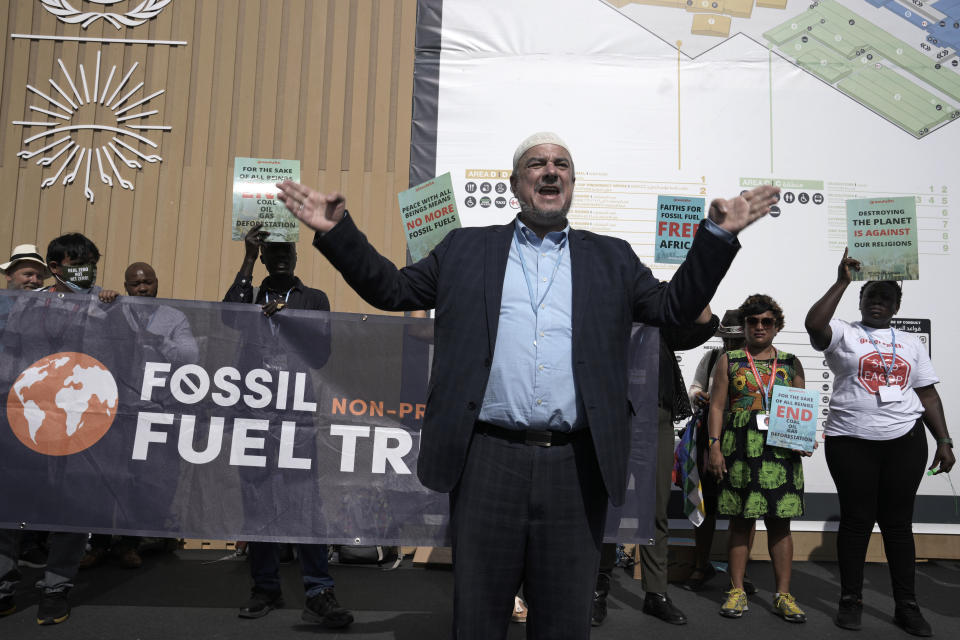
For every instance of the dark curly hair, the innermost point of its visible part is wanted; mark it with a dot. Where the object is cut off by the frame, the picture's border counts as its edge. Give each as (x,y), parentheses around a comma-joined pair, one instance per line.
(757,304)
(890,283)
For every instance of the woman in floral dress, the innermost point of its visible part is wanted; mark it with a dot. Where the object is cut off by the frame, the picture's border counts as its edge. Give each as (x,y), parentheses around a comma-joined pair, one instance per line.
(755,480)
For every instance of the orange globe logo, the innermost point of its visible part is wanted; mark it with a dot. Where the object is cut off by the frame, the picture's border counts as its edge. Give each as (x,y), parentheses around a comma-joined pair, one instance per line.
(62,404)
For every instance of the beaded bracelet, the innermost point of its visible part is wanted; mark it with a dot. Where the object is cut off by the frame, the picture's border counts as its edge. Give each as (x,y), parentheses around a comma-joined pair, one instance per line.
(946,441)
(711,440)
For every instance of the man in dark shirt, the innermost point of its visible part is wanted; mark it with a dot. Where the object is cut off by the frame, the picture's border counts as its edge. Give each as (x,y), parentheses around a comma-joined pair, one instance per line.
(281,288)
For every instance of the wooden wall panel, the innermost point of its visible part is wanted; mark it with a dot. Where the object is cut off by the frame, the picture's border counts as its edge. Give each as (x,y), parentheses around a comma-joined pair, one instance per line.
(328,82)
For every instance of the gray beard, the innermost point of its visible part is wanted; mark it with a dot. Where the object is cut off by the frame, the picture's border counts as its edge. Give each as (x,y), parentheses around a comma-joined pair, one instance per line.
(541,218)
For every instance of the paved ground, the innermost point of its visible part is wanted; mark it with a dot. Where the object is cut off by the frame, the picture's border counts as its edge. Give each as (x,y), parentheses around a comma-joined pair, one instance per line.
(190,594)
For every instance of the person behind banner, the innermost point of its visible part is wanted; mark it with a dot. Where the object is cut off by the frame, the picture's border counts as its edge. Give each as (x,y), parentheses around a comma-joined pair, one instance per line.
(163,335)
(755,480)
(876,449)
(527,417)
(26,270)
(35,331)
(731,333)
(72,259)
(279,290)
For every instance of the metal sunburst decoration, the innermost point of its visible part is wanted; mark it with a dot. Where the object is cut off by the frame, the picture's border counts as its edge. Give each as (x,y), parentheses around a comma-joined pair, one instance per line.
(96,125)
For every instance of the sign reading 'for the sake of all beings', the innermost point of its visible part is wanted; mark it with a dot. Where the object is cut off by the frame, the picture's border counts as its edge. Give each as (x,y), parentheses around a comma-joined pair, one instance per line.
(255,198)
(677,221)
(793,418)
(882,235)
(429,213)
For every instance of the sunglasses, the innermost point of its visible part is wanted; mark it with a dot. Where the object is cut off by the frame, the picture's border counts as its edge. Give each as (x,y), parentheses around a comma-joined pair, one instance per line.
(766,322)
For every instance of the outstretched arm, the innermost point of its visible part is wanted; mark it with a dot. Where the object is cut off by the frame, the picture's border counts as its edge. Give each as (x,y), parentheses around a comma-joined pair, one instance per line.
(820,314)
(374,277)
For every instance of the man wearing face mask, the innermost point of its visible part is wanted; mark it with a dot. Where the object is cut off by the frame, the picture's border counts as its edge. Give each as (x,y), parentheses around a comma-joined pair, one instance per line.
(72,259)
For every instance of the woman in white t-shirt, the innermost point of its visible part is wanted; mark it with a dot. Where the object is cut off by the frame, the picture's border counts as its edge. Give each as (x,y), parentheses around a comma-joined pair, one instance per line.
(876,449)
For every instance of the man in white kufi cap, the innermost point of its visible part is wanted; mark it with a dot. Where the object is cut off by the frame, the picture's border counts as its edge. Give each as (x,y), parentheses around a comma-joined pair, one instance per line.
(527,424)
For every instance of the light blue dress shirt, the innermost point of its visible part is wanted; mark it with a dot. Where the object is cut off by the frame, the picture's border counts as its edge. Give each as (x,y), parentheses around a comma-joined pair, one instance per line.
(531,382)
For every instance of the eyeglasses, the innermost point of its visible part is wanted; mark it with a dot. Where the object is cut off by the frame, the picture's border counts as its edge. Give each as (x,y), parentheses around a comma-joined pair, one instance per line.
(753,321)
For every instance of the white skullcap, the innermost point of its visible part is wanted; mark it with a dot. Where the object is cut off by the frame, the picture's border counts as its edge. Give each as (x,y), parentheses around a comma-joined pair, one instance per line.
(542,137)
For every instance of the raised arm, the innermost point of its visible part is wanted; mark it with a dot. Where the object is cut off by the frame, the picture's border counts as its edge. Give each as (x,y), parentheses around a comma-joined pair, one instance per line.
(818,318)
(375,278)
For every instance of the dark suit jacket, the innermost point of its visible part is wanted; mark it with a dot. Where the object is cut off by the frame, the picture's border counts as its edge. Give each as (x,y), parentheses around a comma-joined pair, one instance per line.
(462,279)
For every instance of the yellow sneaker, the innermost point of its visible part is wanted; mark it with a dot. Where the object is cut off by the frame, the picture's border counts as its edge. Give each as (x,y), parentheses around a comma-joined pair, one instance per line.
(736,603)
(786,606)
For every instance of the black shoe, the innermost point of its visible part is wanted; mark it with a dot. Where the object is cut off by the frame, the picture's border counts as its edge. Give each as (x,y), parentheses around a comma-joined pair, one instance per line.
(748,587)
(696,583)
(7,605)
(907,616)
(848,613)
(325,610)
(260,604)
(598,612)
(54,607)
(660,605)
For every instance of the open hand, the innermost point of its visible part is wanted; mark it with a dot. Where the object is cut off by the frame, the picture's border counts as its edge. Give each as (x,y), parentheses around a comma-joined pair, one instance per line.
(319,211)
(736,214)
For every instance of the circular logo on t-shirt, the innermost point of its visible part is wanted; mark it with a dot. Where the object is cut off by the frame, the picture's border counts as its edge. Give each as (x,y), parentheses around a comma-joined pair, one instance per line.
(62,403)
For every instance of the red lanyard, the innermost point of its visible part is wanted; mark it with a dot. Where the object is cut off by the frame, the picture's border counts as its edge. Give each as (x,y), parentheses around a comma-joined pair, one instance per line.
(773,376)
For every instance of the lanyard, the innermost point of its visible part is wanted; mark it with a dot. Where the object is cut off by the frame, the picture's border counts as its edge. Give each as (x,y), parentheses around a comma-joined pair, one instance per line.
(765,397)
(534,303)
(887,369)
(286,297)
(274,329)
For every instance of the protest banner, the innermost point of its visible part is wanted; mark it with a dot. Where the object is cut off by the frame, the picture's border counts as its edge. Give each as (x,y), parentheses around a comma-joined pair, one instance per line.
(255,201)
(209,420)
(677,221)
(793,418)
(882,235)
(428,213)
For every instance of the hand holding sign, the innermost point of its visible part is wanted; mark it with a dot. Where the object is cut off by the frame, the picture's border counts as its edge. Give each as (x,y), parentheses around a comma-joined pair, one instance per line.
(319,211)
(736,214)
(254,239)
(847,263)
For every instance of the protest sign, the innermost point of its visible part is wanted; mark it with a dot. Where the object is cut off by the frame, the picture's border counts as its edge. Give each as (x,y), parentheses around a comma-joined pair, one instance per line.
(677,221)
(428,212)
(255,201)
(209,420)
(882,235)
(793,418)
